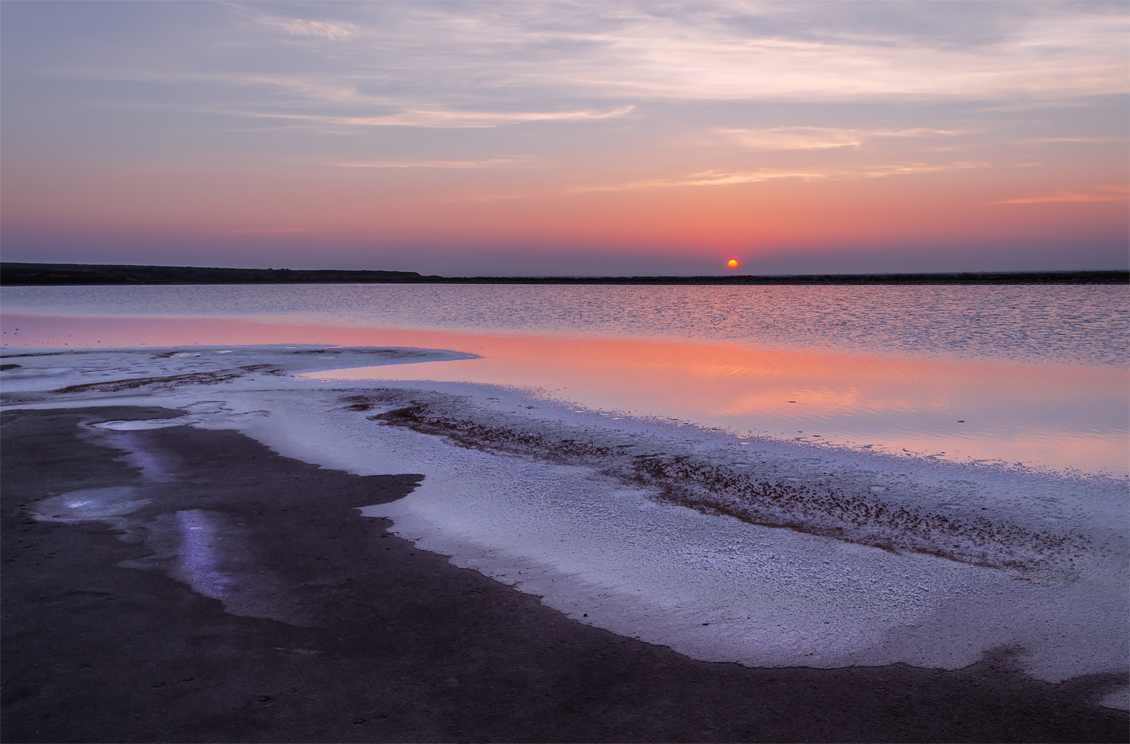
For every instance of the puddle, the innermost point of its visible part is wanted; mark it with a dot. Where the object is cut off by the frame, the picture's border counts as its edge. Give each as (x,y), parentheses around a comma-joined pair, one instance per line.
(90,505)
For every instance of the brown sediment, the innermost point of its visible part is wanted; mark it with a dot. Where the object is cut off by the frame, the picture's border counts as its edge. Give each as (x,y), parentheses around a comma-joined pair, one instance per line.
(400,645)
(760,498)
(168,382)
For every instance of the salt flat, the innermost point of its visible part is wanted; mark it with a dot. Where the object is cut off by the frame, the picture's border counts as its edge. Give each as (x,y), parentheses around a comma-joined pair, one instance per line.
(550,499)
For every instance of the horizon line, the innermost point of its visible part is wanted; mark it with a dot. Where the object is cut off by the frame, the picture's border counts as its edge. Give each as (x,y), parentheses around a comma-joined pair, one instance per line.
(13,273)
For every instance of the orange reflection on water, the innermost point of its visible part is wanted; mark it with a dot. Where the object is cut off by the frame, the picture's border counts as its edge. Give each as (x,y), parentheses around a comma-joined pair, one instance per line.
(1073,417)
(1058,416)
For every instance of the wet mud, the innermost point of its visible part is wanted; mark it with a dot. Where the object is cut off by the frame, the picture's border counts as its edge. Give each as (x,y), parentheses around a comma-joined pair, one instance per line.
(181,584)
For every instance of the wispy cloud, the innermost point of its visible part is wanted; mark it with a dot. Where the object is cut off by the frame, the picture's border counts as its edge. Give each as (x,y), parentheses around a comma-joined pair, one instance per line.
(438,118)
(436,64)
(822,138)
(910,169)
(706,178)
(1111,194)
(724,51)
(716,178)
(333,30)
(795,138)
(727,51)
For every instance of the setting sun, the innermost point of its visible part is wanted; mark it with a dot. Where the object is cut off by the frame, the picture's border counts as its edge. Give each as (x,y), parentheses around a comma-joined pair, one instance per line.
(732,263)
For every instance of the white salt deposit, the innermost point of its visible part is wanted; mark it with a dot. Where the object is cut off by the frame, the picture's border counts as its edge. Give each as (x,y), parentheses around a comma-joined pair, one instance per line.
(138,425)
(550,499)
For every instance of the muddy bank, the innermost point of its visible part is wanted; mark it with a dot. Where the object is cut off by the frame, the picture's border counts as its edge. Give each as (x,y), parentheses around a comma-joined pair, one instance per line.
(322,626)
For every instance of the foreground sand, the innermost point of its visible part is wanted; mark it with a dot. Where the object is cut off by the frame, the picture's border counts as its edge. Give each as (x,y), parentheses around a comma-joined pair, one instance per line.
(383,642)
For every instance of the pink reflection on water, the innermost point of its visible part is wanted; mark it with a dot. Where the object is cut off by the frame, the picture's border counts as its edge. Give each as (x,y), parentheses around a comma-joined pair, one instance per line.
(1059,416)
(1074,417)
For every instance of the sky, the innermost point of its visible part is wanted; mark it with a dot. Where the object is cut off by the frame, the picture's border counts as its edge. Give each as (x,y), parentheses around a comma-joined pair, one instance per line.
(563,138)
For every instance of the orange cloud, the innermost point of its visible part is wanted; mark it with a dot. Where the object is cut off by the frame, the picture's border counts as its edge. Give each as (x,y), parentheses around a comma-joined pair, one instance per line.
(1118,195)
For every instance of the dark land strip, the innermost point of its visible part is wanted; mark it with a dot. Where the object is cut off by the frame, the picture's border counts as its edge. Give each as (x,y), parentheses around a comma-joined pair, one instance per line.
(30,274)
(399,645)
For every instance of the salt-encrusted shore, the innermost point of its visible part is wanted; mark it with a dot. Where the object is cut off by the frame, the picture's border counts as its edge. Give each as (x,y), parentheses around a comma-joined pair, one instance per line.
(349,633)
(206,543)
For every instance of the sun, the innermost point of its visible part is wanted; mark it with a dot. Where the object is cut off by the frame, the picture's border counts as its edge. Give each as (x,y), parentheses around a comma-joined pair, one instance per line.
(732,263)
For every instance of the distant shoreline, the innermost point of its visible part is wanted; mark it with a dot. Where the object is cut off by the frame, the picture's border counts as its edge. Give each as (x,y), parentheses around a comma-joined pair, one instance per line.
(34,274)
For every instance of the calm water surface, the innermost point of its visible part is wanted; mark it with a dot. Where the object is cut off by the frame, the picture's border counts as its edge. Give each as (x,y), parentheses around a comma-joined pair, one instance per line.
(1033,375)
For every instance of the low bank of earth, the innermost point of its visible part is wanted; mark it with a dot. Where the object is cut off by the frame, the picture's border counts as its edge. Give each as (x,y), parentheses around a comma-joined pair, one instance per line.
(394,644)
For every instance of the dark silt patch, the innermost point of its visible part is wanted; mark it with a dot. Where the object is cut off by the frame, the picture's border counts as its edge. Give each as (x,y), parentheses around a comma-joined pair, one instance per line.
(396,644)
(168,382)
(833,509)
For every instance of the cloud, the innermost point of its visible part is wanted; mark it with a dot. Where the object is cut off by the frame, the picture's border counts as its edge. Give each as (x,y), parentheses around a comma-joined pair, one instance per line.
(795,138)
(715,178)
(909,169)
(1113,194)
(706,178)
(728,51)
(724,51)
(821,138)
(492,64)
(438,118)
(333,30)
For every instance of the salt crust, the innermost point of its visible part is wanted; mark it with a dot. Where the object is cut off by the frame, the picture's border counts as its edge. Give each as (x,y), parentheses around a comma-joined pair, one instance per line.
(613,555)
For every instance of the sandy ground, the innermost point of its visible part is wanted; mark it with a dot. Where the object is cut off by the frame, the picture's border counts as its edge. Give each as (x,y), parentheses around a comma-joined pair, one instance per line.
(344,632)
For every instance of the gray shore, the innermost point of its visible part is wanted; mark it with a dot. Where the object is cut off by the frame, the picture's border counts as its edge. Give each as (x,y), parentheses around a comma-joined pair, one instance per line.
(389,643)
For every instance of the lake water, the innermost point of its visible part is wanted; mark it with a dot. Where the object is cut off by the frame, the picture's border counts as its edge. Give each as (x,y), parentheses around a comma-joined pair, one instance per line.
(1032,375)
(776,476)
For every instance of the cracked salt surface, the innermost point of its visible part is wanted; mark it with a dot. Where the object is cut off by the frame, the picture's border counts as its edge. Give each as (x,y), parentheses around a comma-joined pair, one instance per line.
(568,523)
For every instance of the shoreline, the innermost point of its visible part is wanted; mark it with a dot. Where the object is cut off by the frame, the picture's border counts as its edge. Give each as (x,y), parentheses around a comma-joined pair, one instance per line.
(33,274)
(553,502)
(365,637)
